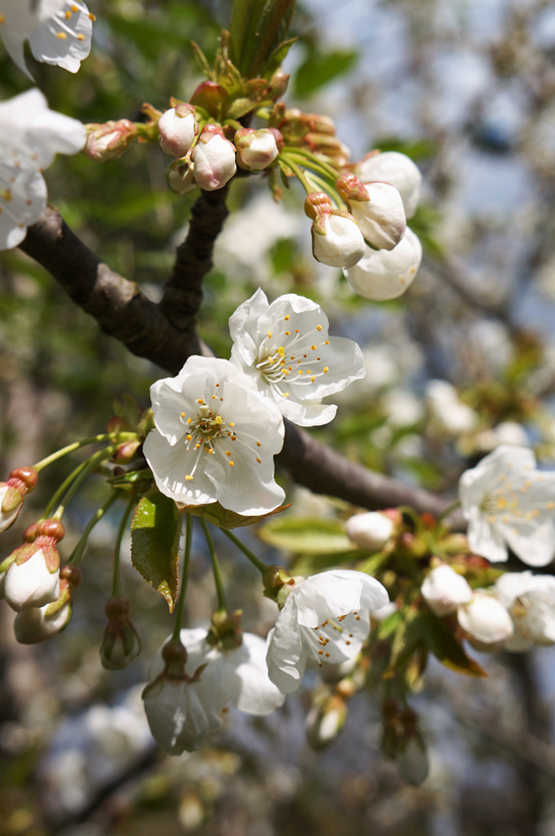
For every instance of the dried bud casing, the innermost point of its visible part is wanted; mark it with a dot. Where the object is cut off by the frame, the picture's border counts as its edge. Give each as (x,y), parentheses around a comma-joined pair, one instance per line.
(121,643)
(180,175)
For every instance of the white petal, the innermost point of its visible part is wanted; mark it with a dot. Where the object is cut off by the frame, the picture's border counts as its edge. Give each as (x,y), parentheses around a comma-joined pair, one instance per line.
(397,169)
(336,593)
(485,619)
(49,45)
(169,467)
(286,657)
(341,246)
(245,678)
(386,274)
(381,219)
(534,546)
(30,584)
(486,540)
(27,201)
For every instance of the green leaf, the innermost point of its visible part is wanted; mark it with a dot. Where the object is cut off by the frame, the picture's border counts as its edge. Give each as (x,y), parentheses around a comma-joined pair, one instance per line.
(311,564)
(257,29)
(307,535)
(277,57)
(215,514)
(446,647)
(154,544)
(322,67)
(201,60)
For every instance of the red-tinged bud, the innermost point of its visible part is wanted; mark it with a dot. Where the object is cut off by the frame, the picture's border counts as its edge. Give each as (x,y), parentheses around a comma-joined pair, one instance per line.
(181,176)
(52,529)
(214,159)
(126,451)
(336,238)
(257,150)
(178,128)
(210,96)
(121,643)
(110,140)
(278,83)
(21,481)
(33,578)
(350,188)
(36,625)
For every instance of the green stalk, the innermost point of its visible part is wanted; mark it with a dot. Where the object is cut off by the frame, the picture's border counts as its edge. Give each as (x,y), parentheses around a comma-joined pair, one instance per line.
(115,436)
(183,588)
(63,488)
(310,160)
(299,174)
(116,588)
(449,510)
(262,567)
(77,553)
(215,566)
(91,463)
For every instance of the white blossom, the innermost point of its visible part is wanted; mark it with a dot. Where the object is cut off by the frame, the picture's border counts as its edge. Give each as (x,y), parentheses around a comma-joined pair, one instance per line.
(386,274)
(39,623)
(371,530)
(215,438)
(507,502)
(31,584)
(30,136)
(485,621)
(59,31)
(381,218)
(530,600)
(454,416)
(285,348)
(214,159)
(7,518)
(338,241)
(325,618)
(444,590)
(178,128)
(396,169)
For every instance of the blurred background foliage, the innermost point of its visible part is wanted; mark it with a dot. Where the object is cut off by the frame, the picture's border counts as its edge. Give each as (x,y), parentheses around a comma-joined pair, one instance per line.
(468,90)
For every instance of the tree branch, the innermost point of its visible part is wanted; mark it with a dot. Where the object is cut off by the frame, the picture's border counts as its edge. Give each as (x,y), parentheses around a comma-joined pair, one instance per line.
(165,334)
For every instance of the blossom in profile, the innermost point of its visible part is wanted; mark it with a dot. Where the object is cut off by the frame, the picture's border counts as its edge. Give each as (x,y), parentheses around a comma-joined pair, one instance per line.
(30,136)
(325,618)
(530,600)
(509,503)
(444,590)
(215,438)
(336,238)
(485,621)
(386,274)
(59,32)
(33,578)
(178,129)
(377,208)
(396,169)
(286,350)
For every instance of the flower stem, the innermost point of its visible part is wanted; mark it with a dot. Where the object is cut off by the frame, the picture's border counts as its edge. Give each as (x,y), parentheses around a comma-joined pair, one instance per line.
(449,510)
(77,553)
(90,464)
(116,436)
(262,567)
(310,160)
(63,488)
(116,588)
(299,174)
(188,524)
(215,566)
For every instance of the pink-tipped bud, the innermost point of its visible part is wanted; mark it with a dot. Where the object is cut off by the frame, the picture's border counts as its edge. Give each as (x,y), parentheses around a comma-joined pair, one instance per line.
(178,129)
(257,150)
(33,579)
(126,452)
(21,481)
(108,141)
(121,643)
(181,176)
(214,159)
(336,238)
(40,624)
(377,208)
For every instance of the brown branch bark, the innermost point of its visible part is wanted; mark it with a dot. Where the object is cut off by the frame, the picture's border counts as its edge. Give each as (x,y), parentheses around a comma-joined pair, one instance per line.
(165,334)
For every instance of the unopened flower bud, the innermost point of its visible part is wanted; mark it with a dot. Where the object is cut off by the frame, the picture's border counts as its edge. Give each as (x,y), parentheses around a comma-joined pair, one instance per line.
(181,176)
(178,129)
(121,643)
(278,83)
(386,274)
(108,141)
(257,150)
(329,146)
(485,621)
(214,159)
(33,579)
(40,624)
(371,530)
(412,761)
(444,590)
(396,169)
(336,238)
(377,208)
(325,721)
(21,481)
(126,451)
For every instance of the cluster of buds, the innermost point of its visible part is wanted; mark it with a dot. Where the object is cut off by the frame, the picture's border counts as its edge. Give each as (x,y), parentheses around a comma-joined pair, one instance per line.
(312,131)
(21,481)
(32,571)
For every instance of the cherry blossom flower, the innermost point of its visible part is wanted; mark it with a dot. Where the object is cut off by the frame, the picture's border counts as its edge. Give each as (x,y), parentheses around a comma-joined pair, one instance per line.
(396,169)
(485,621)
(30,136)
(59,31)
(38,624)
(215,438)
(325,618)
(286,350)
(181,713)
(507,502)
(32,583)
(444,590)
(386,274)
(454,416)
(530,600)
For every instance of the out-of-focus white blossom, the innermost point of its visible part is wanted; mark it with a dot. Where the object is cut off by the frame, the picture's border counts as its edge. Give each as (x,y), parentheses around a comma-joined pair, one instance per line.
(386,274)
(485,621)
(371,530)
(507,502)
(397,169)
(443,401)
(444,590)
(402,407)
(285,348)
(530,600)
(507,432)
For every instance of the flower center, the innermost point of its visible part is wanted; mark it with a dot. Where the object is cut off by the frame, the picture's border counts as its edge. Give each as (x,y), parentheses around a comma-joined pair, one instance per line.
(288,353)
(510,504)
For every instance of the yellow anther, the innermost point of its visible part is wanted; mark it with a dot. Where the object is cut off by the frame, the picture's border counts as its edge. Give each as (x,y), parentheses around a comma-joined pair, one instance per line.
(285,394)
(74,8)
(231,464)
(189,420)
(68,15)
(61,35)
(182,414)
(218,419)
(200,401)
(2,19)
(551,505)
(231,424)
(288,333)
(281,350)
(228,452)
(270,335)
(258,444)
(318,327)
(188,478)
(313,347)
(313,378)
(259,460)
(325,370)
(234,438)
(287,318)
(327,342)
(214,398)
(296,331)
(92,17)
(189,437)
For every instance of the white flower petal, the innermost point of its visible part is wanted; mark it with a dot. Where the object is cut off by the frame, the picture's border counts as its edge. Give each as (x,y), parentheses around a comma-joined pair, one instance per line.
(386,274)
(64,38)
(381,219)
(342,245)
(245,678)
(30,584)
(397,169)
(22,202)
(169,470)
